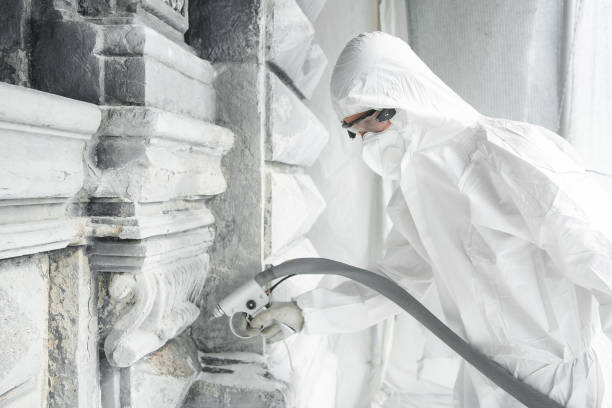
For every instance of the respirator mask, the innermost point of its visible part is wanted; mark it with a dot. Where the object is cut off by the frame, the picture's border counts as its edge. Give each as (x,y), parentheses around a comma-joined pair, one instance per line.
(383,152)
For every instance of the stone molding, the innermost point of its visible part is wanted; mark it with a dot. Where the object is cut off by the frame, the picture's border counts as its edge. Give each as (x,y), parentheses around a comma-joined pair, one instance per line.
(155,164)
(139,40)
(148,255)
(147,61)
(167,16)
(139,149)
(43,139)
(154,171)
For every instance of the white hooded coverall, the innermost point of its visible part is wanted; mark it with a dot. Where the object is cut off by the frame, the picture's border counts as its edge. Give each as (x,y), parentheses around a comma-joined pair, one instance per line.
(502,216)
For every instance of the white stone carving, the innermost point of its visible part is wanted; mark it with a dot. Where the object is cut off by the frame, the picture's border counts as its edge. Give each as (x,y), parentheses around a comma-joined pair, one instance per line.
(139,256)
(171,12)
(150,173)
(162,308)
(41,167)
(296,136)
(149,155)
(176,4)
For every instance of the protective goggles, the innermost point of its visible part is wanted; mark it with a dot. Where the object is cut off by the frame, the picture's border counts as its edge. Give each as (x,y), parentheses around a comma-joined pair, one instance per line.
(371,121)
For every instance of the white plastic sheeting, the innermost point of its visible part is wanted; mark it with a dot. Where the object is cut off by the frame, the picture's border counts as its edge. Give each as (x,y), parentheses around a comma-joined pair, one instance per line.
(502,57)
(587,100)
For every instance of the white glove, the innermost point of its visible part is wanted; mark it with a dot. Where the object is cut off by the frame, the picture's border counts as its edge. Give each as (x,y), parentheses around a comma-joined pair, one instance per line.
(279,321)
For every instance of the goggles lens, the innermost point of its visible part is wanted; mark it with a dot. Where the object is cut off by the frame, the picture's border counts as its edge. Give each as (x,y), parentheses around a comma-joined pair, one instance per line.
(369,124)
(372,121)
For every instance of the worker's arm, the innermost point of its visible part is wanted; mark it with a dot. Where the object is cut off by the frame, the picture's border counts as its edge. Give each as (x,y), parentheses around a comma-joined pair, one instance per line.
(351,307)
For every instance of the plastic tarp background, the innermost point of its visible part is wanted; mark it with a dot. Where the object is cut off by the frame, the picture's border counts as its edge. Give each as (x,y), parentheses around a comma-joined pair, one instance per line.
(587,97)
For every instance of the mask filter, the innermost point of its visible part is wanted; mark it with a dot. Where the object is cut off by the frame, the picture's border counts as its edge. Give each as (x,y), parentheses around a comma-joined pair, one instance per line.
(383,153)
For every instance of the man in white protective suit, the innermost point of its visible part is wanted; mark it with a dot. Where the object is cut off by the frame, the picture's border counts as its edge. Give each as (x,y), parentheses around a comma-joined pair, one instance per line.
(501,215)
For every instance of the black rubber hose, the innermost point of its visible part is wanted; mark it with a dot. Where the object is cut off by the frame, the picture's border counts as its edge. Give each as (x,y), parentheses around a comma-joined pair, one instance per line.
(523,392)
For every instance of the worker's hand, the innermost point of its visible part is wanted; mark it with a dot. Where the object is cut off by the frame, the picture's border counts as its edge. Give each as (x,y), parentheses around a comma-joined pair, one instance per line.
(279,321)
(242,326)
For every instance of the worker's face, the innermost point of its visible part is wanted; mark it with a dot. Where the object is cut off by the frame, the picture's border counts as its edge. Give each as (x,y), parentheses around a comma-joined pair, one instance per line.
(368,124)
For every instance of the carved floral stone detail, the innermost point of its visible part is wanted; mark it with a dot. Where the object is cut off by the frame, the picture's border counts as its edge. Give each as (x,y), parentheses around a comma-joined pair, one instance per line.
(163,306)
(177,5)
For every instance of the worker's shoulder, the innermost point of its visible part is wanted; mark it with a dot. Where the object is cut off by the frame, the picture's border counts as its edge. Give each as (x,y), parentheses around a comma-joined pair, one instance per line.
(504,140)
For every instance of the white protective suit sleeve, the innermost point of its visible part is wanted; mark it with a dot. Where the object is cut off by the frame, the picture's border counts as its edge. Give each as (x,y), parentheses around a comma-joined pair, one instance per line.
(567,210)
(352,307)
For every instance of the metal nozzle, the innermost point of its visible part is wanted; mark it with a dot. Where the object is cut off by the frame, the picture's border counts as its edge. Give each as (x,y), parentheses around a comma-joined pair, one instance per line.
(218,312)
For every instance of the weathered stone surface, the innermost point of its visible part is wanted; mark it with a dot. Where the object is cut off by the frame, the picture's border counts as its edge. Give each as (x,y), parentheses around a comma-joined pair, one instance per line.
(50,131)
(311,8)
(72,342)
(141,256)
(122,64)
(236,253)
(291,35)
(149,155)
(295,205)
(150,225)
(147,63)
(161,379)
(227,31)
(162,307)
(166,16)
(235,380)
(14,37)
(23,329)
(64,60)
(172,12)
(39,127)
(295,135)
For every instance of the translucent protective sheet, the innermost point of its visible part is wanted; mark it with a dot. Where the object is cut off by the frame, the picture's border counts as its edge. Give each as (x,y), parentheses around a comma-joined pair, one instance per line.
(587,96)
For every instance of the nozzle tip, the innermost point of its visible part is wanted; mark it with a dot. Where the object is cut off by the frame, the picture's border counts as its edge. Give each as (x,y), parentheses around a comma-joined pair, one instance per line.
(218,312)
